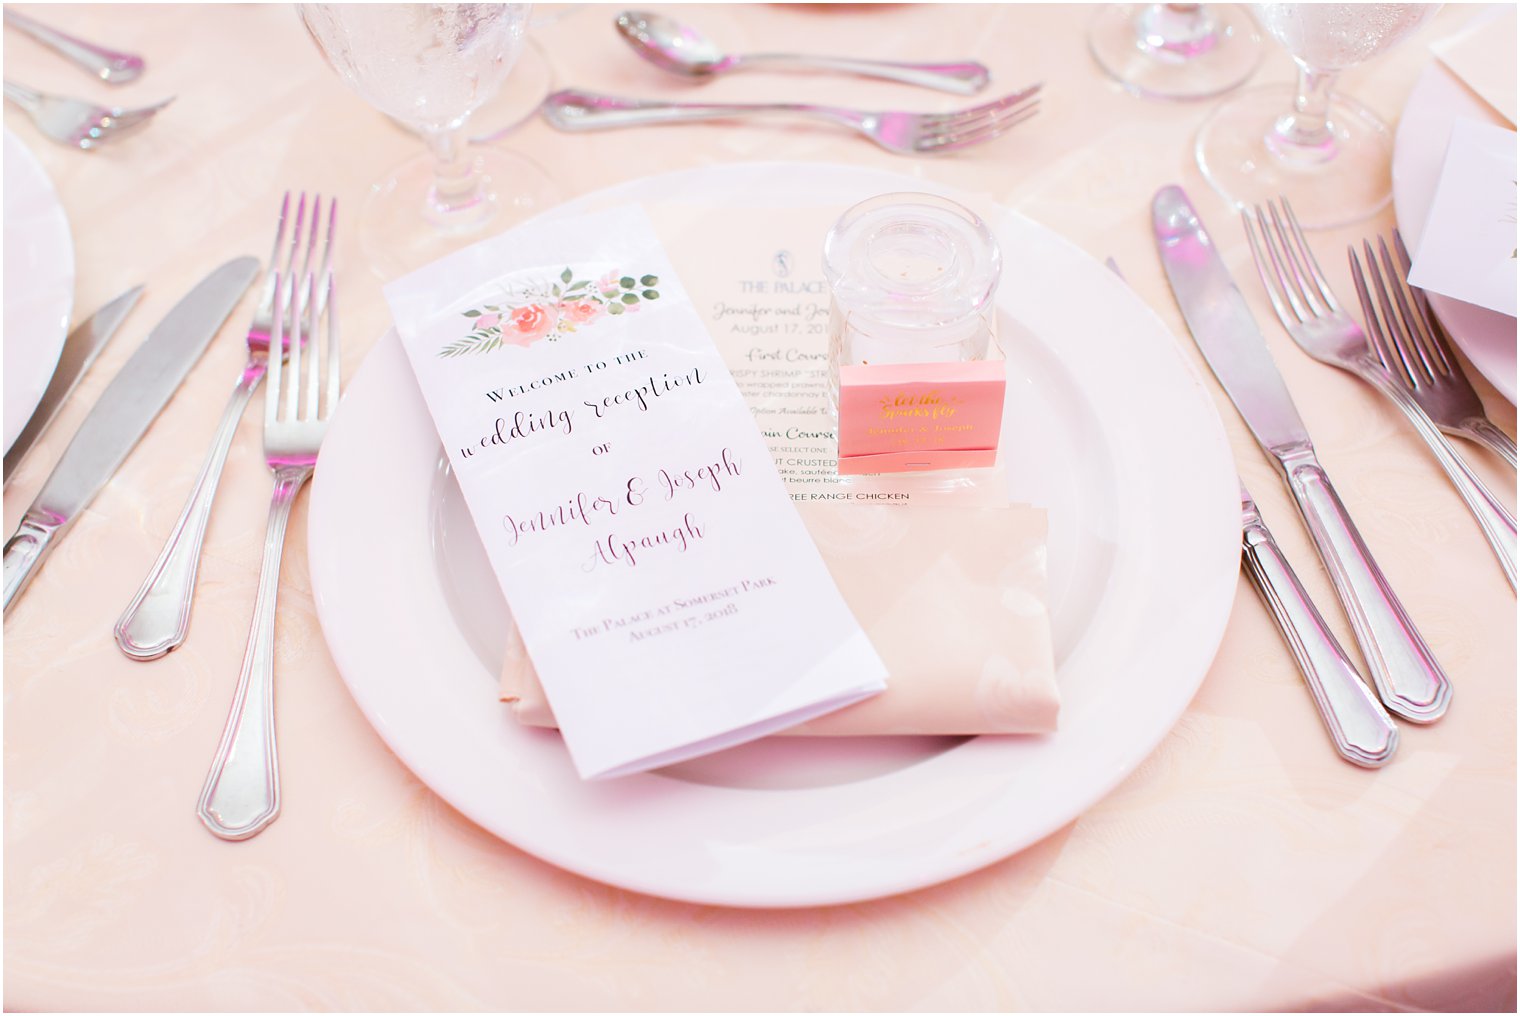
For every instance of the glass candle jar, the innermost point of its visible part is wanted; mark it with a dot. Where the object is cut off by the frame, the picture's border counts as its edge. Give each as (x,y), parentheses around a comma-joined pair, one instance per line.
(912,279)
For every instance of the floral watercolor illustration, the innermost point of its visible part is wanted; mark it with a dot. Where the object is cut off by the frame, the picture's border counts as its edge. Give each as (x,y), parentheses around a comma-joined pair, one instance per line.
(547,309)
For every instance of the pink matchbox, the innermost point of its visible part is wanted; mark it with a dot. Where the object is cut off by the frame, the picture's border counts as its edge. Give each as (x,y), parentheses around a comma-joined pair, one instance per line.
(898,418)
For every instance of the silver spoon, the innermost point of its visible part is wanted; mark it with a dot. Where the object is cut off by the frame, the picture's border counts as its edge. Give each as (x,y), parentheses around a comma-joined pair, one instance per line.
(681,49)
(106,64)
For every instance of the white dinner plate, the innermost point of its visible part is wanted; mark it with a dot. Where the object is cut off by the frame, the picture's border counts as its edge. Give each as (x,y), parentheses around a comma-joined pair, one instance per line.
(1437,101)
(39,284)
(1108,426)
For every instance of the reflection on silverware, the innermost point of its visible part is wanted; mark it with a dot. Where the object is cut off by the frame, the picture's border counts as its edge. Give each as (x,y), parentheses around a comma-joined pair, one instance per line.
(681,49)
(1307,308)
(75,122)
(1361,729)
(121,415)
(158,618)
(79,351)
(904,133)
(242,792)
(1409,680)
(1433,375)
(106,64)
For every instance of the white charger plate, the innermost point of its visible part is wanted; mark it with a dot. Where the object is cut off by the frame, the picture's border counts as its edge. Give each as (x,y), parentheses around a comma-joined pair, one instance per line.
(1108,426)
(1437,101)
(39,284)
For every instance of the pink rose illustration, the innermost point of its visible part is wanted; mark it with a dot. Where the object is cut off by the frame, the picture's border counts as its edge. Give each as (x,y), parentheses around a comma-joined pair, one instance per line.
(581,311)
(529,324)
(487,320)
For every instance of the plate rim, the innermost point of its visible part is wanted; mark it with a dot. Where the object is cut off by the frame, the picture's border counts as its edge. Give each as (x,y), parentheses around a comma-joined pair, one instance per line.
(1198,652)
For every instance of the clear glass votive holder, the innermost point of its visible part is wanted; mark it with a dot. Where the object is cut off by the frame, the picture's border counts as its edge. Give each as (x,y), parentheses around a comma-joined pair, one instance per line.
(912,280)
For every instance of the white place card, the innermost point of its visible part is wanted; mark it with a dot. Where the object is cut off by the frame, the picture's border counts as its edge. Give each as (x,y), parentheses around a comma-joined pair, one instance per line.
(671,599)
(1467,250)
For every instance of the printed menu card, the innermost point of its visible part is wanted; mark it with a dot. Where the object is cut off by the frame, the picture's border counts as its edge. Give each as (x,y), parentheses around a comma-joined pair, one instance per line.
(669,595)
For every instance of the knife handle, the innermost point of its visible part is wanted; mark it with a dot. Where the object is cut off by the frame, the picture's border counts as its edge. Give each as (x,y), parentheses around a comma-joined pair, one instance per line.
(25,551)
(1362,731)
(1409,680)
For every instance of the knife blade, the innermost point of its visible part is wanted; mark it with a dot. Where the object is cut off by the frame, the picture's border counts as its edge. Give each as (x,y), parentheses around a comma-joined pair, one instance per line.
(79,351)
(125,409)
(1409,680)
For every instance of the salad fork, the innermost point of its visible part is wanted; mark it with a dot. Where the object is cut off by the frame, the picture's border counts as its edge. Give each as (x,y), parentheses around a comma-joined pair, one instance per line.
(158,618)
(242,792)
(75,122)
(1307,308)
(904,133)
(1433,376)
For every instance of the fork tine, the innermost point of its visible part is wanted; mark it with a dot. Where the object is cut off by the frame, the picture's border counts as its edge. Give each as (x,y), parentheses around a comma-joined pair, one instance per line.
(1280,243)
(293,360)
(1249,220)
(276,343)
(1411,347)
(314,360)
(1378,328)
(958,138)
(978,114)
(1441,356)
(290,256)
(1391,322)
(1307,253)
(1285,282)
(333,364)
(324,290)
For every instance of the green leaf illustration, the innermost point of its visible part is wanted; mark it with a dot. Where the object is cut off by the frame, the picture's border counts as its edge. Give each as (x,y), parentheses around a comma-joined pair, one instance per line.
(472,313)
(626,282)
(614,308)
(566,275)
(650,294)
(650,280)
(630,298)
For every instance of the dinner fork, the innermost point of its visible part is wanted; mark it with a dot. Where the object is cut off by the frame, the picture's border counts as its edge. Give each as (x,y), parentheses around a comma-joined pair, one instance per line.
(106,64)
(78,123)
(242,792)
(904,133)
(157,620)
(1433,376)
(1307,308)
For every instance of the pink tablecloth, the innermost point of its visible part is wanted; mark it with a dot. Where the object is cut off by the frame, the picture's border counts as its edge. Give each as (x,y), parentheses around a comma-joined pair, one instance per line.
(1242,866)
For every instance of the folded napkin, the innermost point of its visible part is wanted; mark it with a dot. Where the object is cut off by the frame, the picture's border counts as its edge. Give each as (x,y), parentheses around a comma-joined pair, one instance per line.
(952,598)
(1482,55)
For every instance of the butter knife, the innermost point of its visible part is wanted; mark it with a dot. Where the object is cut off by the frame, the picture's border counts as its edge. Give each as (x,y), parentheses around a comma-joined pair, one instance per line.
(124,411)
(79,351)
(1409,680)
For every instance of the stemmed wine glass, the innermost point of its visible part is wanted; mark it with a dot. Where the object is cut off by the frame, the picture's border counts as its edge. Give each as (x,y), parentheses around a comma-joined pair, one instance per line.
(429,66)
(1327,153)
(1175,51)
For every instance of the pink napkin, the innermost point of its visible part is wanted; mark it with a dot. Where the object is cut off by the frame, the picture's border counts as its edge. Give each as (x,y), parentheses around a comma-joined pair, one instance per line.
(953,599)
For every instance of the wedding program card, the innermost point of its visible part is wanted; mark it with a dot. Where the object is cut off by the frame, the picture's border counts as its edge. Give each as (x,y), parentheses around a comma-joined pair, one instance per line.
(669,595)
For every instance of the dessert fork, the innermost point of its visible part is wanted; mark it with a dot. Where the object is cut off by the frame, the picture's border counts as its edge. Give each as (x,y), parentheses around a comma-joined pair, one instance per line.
(904,133)
(75,122)
(1433,376)
(158,618)
(1301,296)
(242,792)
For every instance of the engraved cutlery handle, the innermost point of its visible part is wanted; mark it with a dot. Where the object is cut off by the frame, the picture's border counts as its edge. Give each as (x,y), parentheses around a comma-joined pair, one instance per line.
(1362,731)
(25,550)
(105,64)
(1494,519)
(242,792)
(572,110)
(27,98)
(1486,434)
(1409,680)
(158,618)
(960,78)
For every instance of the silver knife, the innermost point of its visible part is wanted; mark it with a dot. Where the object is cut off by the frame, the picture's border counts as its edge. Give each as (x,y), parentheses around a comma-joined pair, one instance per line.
(1409,680)
(129,403)
(1359,727)
(1362,731)
(79,351)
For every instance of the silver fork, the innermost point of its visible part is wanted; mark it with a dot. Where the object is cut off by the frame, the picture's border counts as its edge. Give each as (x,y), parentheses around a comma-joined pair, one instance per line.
(75,122)
(158,618)
(1433,376)
(242,792)
(106,64)
(905,133)
(1307,308)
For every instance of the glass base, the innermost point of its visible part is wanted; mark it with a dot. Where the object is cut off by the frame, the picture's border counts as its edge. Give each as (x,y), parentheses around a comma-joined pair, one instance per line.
(1345,181)
(397,234)
(1124,40)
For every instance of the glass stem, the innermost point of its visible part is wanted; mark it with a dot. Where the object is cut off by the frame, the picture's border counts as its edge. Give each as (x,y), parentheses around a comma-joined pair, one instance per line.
(1304,135)
(458,187)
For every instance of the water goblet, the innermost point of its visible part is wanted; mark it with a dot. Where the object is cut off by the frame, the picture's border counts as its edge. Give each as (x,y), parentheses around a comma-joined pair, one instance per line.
(1327,153)
(1175,51)
(429,67)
